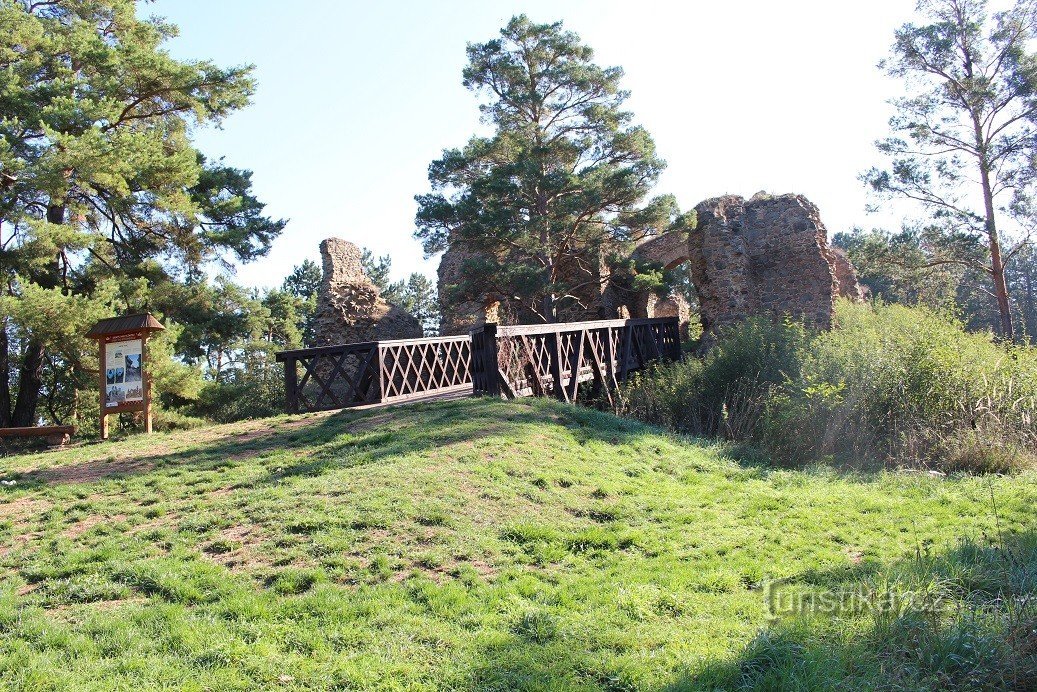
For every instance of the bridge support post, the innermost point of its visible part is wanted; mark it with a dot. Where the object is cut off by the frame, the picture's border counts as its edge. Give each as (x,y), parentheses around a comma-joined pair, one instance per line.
(490,359)
(291,386)
(554,354)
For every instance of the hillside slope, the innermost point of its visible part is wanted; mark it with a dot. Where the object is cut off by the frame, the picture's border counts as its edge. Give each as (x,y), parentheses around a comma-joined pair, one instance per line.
(466,544)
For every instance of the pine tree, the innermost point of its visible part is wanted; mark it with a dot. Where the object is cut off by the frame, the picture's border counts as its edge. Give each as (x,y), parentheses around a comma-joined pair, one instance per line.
(102,194)
(557,187)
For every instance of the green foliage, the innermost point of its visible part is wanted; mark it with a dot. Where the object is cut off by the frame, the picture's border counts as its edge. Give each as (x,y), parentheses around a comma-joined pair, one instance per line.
(889,384)
(720,394)
(103,197)
(903,268)
(251,392)
(560,183)
(964,138)
(377,269)
(417,295)
(304,283)
(232,217)
(235,334)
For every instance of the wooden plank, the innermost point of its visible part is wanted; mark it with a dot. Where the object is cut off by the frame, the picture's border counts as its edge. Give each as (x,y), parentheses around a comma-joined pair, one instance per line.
(530,329)
(575,361)
(537,381)
(599,368)
(103,389)
(491,366)
(554,352)
(291,385)
(625,356)
(38,431)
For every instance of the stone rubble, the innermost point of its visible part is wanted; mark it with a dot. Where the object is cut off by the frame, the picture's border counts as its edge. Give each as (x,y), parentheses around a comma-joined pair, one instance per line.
(350,307)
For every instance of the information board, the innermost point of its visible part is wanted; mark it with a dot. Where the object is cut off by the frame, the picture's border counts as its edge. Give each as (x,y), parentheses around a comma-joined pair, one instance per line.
(123,372)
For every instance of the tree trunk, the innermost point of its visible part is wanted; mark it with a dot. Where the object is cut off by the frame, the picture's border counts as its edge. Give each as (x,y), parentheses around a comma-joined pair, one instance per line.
(997,267)
(30,380)
(1028,314)
(5,377)
(30,375)
(547,303)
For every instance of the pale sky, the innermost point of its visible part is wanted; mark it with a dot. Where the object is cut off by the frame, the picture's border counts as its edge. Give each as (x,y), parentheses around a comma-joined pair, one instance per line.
(355,99)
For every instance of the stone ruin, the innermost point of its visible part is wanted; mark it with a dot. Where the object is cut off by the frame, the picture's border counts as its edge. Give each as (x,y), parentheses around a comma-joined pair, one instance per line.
(458,316)
(768,255)
(350,308)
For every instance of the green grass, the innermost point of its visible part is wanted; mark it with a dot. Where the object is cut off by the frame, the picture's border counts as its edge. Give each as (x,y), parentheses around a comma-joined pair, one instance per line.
(473,544)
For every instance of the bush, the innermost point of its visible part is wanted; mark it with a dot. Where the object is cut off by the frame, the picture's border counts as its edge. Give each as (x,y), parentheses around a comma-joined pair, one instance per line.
(241,396)
(888,384)
(723,393)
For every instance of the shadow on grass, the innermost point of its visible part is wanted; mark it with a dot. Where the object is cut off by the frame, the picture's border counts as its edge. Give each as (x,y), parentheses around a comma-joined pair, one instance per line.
(423,427)
(965,619)
(537,655)
(353,438)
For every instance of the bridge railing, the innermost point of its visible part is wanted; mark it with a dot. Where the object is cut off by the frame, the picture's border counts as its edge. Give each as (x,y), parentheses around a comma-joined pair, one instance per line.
(554,359)
(513,361)
(373,372)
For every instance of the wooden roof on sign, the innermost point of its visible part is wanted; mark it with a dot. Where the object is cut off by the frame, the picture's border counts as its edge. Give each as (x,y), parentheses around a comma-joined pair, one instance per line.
(140,322)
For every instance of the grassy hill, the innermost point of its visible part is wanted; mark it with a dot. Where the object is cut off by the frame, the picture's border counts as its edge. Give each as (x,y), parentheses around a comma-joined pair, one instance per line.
(474,544)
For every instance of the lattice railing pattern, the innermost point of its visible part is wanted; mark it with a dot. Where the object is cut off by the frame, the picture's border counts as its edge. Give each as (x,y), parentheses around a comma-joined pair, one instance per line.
(514,361)
(330,377)
(319,379)
(553,360)
(414,367)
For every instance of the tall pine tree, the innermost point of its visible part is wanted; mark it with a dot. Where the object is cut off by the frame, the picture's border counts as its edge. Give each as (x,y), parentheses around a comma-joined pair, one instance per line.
(101,190)
(561,182)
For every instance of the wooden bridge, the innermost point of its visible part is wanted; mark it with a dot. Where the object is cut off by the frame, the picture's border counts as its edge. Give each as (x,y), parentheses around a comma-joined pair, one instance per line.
(511,361)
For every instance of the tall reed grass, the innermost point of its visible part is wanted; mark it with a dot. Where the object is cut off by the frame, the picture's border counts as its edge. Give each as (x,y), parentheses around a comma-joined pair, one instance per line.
(888,385)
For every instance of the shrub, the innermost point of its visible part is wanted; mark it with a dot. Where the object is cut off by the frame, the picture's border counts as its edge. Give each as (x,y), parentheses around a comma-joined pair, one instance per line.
(240,396)
(722,393)
(889,384)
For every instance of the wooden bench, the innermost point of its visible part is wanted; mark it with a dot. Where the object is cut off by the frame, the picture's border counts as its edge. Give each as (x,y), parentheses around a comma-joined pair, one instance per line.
(56,435)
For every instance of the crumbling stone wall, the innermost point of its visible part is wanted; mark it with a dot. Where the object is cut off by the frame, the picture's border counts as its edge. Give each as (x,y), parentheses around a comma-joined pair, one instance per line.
(459,315)
(849,286)
(667,249)
(590,301)
(350,307)
(768,254)
(674,305)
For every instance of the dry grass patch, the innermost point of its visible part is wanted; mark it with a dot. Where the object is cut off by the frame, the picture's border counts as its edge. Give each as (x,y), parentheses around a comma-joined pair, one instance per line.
(23,508)
(83,525)
(239,548)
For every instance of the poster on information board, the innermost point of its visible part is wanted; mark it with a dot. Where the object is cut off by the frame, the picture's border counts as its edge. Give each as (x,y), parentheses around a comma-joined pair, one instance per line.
(123,368)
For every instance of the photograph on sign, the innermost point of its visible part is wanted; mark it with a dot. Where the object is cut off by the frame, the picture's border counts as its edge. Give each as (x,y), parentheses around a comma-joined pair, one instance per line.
(122,372)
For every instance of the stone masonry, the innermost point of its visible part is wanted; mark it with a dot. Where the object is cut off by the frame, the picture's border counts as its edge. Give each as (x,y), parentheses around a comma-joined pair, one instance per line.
(457,316)
(769,254)
(765,255)
(350,308)
(846,275)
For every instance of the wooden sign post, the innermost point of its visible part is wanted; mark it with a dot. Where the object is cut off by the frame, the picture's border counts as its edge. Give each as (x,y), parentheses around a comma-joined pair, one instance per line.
(123,352)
